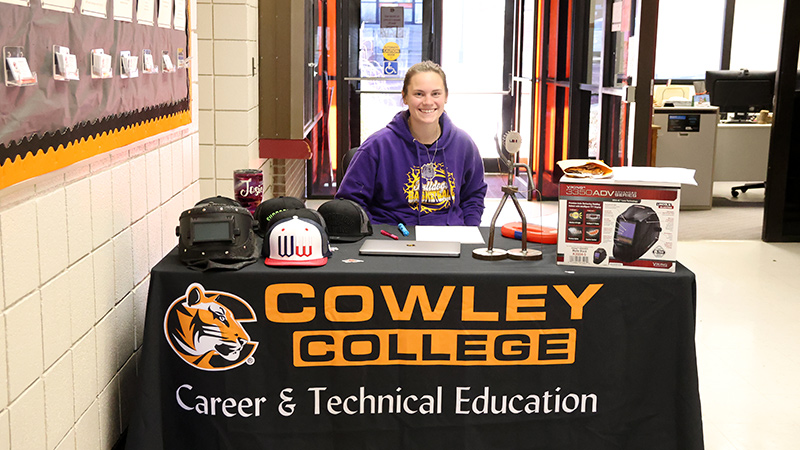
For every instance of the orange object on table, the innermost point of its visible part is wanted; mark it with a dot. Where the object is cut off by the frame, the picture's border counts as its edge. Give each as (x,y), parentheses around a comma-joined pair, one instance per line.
(536,233)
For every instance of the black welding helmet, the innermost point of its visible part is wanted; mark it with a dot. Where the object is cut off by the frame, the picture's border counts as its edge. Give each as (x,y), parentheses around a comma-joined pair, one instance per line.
(637,230)
(216,234)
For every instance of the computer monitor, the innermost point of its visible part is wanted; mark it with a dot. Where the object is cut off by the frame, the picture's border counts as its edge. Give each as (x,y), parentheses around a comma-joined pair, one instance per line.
(741,91)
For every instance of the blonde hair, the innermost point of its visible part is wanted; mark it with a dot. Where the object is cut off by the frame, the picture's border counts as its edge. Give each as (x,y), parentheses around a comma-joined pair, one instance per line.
(424,66)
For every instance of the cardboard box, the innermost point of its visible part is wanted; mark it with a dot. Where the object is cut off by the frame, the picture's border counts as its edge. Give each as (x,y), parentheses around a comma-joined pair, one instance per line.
(618,224)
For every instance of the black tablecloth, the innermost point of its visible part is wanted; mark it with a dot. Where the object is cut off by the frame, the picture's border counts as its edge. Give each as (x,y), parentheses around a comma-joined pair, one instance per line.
(493,355)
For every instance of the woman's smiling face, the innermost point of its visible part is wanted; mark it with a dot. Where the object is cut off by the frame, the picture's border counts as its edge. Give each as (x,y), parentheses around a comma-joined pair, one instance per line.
(425,97)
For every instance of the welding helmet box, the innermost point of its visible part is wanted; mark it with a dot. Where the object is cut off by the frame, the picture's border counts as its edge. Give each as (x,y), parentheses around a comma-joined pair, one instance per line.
(618,224)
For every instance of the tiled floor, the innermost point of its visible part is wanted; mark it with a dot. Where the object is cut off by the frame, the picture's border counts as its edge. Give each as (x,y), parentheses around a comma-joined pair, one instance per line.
(748,334)
(748,342)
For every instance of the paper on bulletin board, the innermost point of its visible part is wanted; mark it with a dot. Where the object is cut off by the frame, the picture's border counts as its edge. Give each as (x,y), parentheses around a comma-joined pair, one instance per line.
(67,6)
(144,12)
(123,10)
(96,8)
(180,15)
(165,14)
(17,2)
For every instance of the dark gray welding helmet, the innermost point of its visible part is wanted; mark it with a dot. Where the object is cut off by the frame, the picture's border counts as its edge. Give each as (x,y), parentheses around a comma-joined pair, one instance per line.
(217,235)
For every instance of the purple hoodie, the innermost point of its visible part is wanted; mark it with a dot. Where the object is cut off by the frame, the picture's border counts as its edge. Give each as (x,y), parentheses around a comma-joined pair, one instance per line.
(384,176)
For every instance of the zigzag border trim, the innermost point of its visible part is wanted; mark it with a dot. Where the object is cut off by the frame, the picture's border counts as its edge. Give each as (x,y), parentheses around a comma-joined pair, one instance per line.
(57,150)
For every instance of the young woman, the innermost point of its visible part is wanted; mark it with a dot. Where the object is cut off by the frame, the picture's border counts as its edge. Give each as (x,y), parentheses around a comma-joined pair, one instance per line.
(420,154)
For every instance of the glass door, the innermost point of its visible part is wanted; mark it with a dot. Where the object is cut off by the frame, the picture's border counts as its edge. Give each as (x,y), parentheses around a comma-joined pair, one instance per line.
(469,38)
(589,84)
(618,78)
(389,42)
(476,44)
(378,41)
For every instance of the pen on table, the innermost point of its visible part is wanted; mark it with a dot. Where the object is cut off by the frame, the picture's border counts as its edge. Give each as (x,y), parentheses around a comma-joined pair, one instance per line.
(402,229)
(386,233)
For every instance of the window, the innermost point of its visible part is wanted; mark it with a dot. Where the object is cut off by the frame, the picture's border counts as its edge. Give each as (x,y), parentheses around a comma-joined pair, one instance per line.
(756,34)
(689,39)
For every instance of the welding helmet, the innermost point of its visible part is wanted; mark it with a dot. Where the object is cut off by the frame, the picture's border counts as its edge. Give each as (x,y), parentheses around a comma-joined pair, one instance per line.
(217,233)
(637,229)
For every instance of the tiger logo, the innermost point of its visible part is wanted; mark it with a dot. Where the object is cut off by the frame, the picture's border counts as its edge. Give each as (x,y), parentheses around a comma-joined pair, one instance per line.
(205,329)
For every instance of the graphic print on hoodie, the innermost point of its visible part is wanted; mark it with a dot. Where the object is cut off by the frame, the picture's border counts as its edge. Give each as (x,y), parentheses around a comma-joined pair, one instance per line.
(437,193)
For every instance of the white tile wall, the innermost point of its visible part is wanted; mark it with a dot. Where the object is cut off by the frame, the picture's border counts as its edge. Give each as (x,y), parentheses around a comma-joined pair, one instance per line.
(206,84)
(24,344)
(79,220)
(59,401)
(165,172)
(87,429)
(236,127)
(206,122)
(138,188)
(230,158)
(139,310)
(235,93)
(208,188)
(21,258)
(27,419)
(224,186)
(84,378)
(123,264)
(188,161)
(102,218)
(56,319)
(234,58)
(51,211)
(108,404)
(2,283)
(76,246)
(207,164)
(81,297)
(177,167)
(229,20)
(124,330)
(229,116)
(3,368)
(106,348)
(4,430)
(139,248)
(76,250)
(127,391)
(152,160)
(68,443)
(121,197)
(205,64)
(205,21)
(103,265)
(154,242)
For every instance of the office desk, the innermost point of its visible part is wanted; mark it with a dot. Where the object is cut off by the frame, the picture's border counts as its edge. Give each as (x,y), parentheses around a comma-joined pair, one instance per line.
(742,152)
(687,139)
(420,353)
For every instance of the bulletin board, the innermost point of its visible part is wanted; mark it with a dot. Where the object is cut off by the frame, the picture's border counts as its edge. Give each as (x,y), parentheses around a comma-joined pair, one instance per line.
(53,123)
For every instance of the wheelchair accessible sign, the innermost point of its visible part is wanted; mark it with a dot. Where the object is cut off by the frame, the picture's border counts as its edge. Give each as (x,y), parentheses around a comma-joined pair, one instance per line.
(391,51)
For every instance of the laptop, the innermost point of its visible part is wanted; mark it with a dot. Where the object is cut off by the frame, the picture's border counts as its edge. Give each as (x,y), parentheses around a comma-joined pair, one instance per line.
(410,248)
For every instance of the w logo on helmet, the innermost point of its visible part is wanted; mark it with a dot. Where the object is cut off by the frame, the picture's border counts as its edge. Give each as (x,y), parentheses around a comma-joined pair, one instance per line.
(205,329)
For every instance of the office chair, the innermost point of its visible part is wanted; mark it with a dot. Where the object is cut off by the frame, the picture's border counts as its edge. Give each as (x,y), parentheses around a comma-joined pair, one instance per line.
(747,186)
(346,160)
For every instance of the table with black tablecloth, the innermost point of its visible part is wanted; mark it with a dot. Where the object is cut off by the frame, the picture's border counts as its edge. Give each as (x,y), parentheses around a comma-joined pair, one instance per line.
(383,352)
